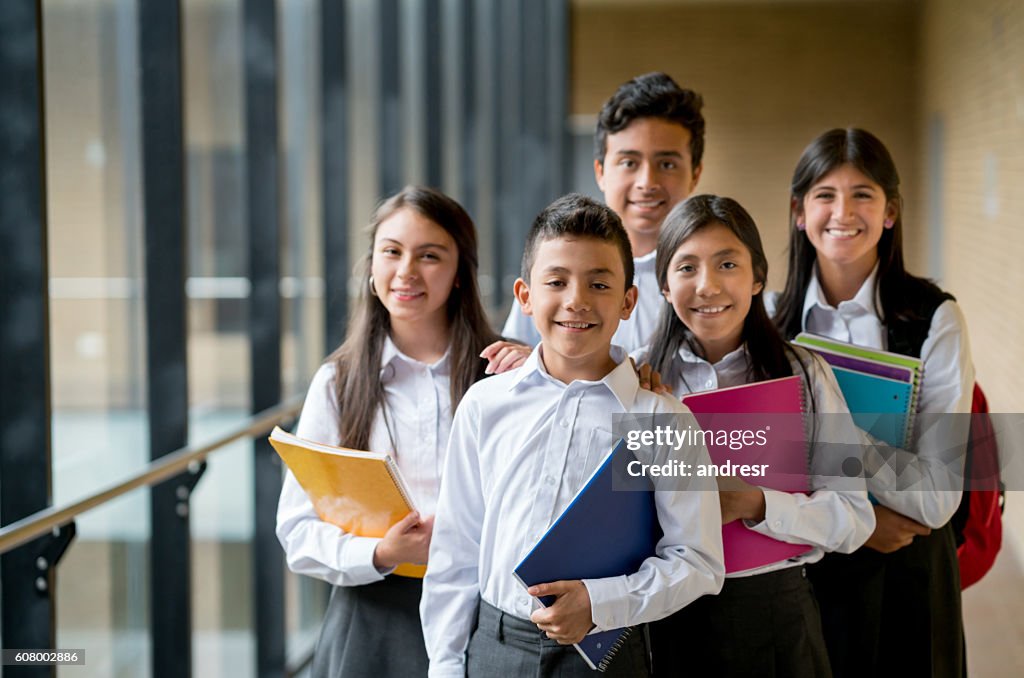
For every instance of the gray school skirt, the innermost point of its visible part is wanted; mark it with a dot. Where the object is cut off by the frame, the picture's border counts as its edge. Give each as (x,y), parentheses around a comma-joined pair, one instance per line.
(372,631)
(894,614)
(761,625)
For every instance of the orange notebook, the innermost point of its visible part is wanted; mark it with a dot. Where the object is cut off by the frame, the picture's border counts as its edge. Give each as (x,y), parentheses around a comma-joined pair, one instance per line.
(361,492)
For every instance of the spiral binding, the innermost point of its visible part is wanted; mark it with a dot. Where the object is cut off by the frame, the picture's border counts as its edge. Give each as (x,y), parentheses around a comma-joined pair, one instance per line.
(606,660)
(913,410)
(396,477)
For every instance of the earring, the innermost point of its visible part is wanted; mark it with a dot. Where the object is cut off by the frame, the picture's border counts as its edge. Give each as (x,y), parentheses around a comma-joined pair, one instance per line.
(373,290)
(888,223)
(801,226)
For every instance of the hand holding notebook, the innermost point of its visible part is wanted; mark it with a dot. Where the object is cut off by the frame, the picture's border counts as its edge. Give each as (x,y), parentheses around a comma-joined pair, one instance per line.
(569,619)
(361,492)
(601,533)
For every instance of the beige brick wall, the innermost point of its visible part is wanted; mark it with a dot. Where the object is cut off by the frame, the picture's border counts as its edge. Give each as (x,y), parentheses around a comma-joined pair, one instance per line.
(773,76)
(972,57)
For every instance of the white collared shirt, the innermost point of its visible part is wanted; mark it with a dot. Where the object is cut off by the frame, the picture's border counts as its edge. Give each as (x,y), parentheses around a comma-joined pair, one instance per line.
(826,519)
(947,387)
(418,403)
(631,334)
(522,445)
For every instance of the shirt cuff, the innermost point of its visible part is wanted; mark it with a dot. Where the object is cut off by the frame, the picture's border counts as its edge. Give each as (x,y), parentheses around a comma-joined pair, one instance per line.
(780,509)
(607,594)
(358,560)
(448,670)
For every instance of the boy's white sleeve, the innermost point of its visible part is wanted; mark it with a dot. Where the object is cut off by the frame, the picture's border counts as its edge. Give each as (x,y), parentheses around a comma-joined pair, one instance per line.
(311,546)
(451,588)
(689,561)
(520,327)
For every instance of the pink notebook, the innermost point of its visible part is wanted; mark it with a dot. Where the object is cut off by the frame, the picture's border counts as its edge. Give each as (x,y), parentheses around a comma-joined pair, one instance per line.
(775,409)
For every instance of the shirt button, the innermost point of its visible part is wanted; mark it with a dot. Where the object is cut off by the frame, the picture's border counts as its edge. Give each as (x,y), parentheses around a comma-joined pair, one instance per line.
(709,384)
(564,423)
(777,524)
(525,602)
(549,480)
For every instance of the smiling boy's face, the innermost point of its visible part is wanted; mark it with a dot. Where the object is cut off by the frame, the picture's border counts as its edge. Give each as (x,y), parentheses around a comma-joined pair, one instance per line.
(577,295)
(647,169)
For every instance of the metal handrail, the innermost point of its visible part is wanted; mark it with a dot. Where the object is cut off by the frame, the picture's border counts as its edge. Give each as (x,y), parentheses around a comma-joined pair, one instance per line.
(167,466)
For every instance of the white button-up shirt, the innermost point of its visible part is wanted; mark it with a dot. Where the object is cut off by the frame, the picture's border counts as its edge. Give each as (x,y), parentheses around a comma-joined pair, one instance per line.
(631,334)
(418,404)
(522,445)
(827,520)
(947,387)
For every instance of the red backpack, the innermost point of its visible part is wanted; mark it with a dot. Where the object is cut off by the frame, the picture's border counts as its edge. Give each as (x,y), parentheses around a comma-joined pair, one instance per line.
(978,522)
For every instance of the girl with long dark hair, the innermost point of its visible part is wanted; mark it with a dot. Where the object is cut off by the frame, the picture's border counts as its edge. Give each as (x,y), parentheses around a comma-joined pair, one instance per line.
(714,333)
(893,607)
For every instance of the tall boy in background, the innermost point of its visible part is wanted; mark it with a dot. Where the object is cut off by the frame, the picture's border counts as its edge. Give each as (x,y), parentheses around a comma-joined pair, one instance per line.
(648,150)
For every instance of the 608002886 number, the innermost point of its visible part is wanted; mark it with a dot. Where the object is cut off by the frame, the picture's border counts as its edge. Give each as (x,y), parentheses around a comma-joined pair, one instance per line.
(43,657)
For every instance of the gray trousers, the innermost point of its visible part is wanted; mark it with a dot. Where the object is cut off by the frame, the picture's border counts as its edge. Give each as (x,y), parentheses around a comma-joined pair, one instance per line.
(505,645)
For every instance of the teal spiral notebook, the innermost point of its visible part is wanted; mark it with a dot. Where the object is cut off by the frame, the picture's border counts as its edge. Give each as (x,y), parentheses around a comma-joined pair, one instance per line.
(881,406)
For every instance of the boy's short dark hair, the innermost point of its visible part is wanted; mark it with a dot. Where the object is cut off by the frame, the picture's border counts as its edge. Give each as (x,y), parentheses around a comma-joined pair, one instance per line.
(652,95)
(578,215)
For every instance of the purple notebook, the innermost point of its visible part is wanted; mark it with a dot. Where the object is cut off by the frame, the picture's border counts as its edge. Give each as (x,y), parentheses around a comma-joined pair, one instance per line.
(848,362)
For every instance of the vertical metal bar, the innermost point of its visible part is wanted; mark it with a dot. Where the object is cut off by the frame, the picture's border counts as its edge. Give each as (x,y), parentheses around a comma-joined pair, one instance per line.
(334,122)
(558,82)
(470,186)
(389,139)
(507,162)
(163,183)
(27,619)
(537,170)
(433,95)
(259,20)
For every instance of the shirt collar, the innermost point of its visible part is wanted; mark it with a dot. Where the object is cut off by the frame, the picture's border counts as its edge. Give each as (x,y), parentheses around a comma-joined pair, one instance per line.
(738,355)
(866,296)
(621,381)
(390,354)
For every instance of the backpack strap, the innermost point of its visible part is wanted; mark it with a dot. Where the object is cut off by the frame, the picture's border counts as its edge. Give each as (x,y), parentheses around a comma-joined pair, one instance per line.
(907,336)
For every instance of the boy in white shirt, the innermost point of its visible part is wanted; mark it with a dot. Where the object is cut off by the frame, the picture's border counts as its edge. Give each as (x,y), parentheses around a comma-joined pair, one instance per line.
(648,150)
(523,443)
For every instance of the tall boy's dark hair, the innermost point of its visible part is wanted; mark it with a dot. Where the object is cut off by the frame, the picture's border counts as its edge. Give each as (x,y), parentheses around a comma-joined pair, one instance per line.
(769,355)
(357,366)
(895,287)
(579,216)
(652,95)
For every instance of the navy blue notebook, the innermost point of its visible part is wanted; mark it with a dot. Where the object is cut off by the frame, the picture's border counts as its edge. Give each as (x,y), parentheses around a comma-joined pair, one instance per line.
(601,533)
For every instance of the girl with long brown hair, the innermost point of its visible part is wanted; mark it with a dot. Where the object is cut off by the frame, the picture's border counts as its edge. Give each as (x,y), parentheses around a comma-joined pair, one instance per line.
(411,352)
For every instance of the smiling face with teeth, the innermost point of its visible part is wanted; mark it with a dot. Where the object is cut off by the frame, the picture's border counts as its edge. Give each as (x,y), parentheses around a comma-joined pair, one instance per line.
(710,284)
(844,215)
(577,295)
(647,168)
